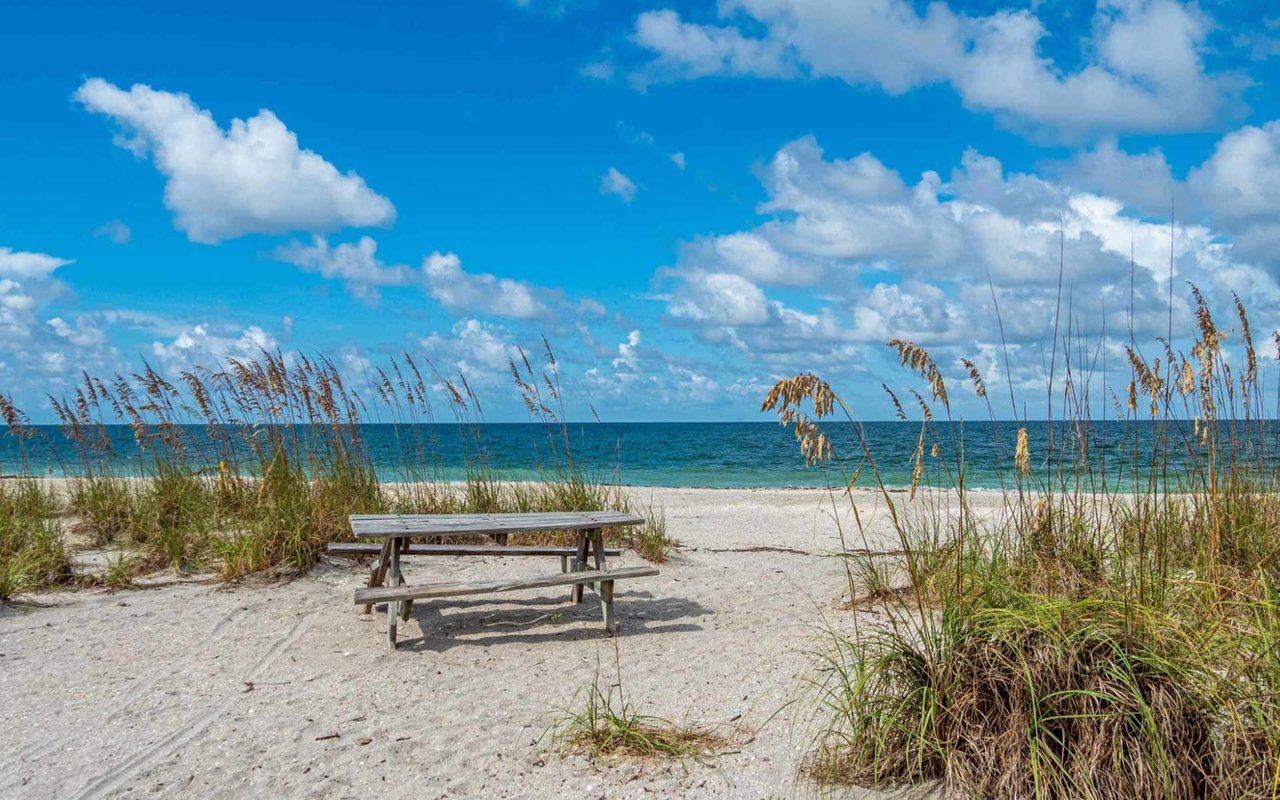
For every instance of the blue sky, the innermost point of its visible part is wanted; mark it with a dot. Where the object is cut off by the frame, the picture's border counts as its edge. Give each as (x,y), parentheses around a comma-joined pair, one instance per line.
(688,200)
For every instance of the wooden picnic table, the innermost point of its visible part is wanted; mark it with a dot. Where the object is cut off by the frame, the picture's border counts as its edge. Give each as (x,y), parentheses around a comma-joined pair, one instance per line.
(387,583)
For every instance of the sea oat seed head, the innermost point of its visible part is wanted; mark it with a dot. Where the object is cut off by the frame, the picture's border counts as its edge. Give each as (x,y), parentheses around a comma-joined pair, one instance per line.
(1022,453)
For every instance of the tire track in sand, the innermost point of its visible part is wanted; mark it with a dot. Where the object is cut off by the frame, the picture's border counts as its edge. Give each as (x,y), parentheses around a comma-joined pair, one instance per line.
(128,696)
(119,775)
(34,751)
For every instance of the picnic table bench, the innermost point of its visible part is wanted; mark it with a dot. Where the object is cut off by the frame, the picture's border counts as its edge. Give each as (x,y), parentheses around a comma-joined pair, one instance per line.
(387,584)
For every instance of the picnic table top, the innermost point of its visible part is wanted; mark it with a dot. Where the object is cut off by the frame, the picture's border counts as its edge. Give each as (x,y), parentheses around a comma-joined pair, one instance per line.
(388,525)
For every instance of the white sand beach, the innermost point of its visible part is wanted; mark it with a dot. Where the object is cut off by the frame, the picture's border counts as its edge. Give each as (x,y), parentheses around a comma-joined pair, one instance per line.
(195,689)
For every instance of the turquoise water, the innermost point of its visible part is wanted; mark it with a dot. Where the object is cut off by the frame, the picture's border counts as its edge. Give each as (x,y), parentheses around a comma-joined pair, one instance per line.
(731,454)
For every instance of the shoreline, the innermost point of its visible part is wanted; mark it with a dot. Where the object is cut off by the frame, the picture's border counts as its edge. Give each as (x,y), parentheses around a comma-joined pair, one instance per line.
(60,480)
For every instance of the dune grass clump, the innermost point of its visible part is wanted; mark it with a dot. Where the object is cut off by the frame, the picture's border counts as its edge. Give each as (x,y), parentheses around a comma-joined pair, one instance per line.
(32,554)
(243,470)
(1048,698)
(651,539)
(1110,629)
(254,467)
(105,506)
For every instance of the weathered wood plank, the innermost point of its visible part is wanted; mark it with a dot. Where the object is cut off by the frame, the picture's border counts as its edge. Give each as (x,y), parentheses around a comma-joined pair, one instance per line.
(606,605)
(392,594)
(596,535)
(579,564)
(384,525)
(361,548)
(406,606)
(393,607)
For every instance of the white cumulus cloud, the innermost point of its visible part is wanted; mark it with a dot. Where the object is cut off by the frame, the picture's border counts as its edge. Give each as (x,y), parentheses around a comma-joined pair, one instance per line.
(1142,69)
(356,264)
(1143,182)
(852,253)
(482,351)
(116,231)
(23,265)
(615,183)
(211,345)
(627,358)
(476,293)
(721,298)
(441,276)
(693,51)
(252,177)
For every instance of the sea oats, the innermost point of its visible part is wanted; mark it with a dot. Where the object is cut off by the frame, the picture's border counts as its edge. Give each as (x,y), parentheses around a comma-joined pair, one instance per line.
(918,359)
(897,405)
(793,391)
(1022,452)
(918,459)
(979,385)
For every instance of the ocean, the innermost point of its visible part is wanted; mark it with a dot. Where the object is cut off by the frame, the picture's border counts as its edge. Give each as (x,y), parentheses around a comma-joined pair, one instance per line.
(685,454)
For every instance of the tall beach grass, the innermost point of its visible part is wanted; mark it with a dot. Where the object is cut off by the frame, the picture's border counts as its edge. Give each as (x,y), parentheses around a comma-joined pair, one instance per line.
(253,468)
(1104,629)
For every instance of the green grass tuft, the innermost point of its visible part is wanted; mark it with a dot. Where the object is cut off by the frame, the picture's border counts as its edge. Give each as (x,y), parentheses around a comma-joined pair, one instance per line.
(607,724)
(32,554)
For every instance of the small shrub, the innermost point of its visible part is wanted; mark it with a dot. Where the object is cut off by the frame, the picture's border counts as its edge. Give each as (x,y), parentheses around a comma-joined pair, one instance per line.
(607,724)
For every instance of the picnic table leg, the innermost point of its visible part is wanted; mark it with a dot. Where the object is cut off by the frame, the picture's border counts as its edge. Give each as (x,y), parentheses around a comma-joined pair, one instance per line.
(606,603)
(579,563)
(379,571)
(406,606)
(393,606)
(597,545)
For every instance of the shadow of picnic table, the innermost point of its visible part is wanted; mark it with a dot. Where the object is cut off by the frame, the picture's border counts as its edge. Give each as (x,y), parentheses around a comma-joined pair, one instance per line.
(461,622)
